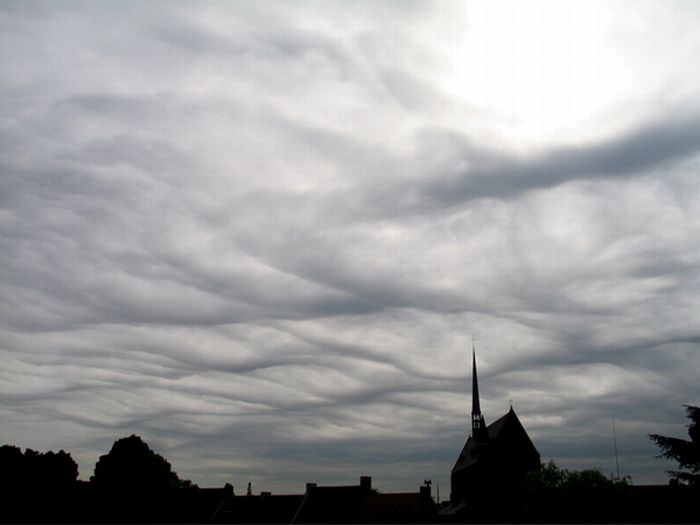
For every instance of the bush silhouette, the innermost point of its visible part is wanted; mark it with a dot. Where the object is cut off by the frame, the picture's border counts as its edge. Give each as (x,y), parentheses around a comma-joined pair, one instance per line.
(132,465)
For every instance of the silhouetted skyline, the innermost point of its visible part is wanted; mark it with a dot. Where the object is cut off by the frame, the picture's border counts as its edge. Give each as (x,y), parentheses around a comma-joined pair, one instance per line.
(497,478)
(261,235)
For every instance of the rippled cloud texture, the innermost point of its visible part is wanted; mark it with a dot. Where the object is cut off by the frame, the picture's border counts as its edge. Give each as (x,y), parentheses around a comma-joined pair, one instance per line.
(261,235)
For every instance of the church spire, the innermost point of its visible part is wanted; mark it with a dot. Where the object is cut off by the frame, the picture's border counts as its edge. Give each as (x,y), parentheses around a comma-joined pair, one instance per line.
(476,407)
(478,424)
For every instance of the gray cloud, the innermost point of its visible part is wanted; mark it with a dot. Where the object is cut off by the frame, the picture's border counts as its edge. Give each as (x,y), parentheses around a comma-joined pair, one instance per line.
(257,237)
(491,174)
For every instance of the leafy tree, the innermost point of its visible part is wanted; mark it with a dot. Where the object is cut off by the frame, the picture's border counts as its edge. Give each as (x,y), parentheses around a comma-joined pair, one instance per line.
(32,468)
(551,477)
(554,494)
(11,466)
(132,465)
(686,453)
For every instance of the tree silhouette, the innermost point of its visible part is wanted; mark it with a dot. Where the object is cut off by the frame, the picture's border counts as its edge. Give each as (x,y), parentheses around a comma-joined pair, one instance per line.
(12,469)
(132,465)
(31,468)
(686,453)
(555,494)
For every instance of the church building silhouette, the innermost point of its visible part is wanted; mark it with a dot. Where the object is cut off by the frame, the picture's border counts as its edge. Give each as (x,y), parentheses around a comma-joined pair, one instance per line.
(495,458)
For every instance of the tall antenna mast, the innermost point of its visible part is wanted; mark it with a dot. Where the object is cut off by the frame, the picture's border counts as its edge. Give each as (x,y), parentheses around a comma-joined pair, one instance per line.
(617,462)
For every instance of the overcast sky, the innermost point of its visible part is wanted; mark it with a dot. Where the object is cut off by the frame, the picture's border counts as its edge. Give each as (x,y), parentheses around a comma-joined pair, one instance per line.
(262,234)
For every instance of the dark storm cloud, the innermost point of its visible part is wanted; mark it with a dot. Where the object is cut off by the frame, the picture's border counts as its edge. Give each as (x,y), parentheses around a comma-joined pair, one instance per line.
(255,236)
(493,175)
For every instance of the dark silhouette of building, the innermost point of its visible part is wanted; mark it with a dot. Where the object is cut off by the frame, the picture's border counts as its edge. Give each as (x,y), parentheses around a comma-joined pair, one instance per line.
(495,458)
(336,504)
(262,508)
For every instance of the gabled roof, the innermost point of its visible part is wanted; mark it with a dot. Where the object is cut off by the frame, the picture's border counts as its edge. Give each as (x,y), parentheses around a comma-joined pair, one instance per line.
(506,432)
(496,427)
(509,427)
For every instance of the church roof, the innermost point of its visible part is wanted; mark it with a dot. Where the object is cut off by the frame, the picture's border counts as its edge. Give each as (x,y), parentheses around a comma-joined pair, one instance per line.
(505,433)
(510,419)
(467,456)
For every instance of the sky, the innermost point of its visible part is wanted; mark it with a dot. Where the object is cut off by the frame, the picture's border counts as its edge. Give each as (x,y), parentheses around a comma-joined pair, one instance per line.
(261,235)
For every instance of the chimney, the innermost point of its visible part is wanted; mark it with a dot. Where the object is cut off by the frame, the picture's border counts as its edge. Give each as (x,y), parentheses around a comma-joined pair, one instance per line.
(366,483)
(425,489)
(310,486)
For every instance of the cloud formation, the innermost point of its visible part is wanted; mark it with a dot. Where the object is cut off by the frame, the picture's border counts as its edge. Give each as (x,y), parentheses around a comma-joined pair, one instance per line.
(261,237)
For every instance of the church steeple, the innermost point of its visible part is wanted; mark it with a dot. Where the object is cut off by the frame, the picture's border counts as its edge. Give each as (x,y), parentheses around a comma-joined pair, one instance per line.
(478,424)
(476,408)
(492,458)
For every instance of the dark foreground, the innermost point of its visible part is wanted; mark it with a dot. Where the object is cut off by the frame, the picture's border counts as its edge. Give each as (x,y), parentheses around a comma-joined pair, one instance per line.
(84,503)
